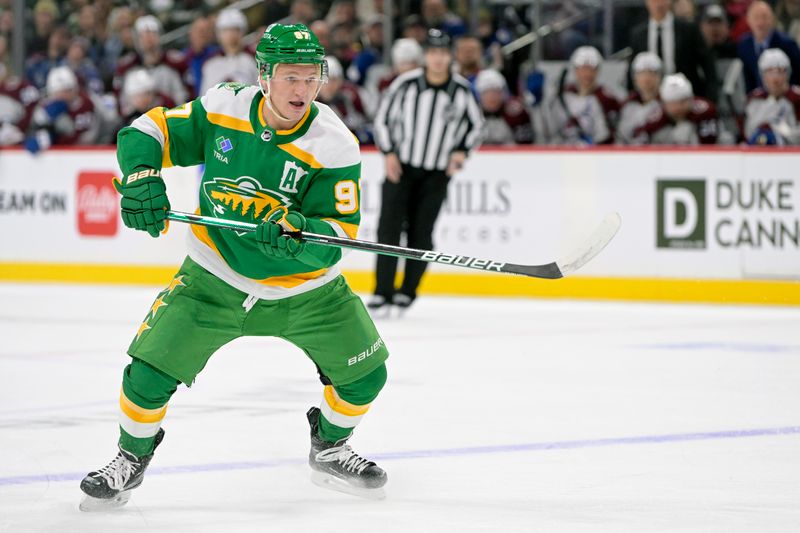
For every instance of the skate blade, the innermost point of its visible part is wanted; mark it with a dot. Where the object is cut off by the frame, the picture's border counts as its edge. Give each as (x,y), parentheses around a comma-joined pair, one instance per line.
(327,481)
(91,504)
(381,313)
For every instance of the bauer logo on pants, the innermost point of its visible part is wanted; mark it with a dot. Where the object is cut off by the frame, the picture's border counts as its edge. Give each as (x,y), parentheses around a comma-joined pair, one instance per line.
(97,204)
(681,214)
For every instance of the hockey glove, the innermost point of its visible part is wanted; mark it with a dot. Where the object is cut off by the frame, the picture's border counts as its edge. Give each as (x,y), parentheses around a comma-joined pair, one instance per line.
(144,202)
(763,136)
(273,238)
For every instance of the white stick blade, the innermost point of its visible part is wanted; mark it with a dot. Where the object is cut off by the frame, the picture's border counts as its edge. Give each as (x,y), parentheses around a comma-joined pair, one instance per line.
(593,246)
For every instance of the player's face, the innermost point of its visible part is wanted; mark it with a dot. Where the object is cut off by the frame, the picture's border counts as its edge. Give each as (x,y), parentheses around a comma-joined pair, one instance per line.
(647,81)
(491,100)
(679,109)
(293,87)
(776,81)
(229,38)
(585,75)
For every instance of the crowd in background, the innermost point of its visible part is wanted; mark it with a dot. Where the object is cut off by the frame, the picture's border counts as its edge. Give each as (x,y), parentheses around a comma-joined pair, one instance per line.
(92,67)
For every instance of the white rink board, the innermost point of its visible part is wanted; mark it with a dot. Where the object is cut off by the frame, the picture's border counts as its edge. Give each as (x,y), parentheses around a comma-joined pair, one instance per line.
(516,206)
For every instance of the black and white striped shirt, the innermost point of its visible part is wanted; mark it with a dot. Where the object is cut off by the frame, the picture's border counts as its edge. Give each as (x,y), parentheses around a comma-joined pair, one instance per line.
(424,124)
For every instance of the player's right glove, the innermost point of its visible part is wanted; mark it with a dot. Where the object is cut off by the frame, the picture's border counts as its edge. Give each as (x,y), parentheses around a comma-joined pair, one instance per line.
(144,202)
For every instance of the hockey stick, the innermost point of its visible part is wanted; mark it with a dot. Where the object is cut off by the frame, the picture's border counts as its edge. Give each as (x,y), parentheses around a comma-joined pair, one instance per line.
(729,89)
(557,269)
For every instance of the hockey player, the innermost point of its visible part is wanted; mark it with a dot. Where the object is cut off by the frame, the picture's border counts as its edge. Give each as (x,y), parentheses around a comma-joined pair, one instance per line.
(232,63)
(344,97)
(18,99)
(683,119)
(506,119)
(584,112)
(270,152)
(67,116)
(167,68)
(773,113)
(643,102)
(139,95)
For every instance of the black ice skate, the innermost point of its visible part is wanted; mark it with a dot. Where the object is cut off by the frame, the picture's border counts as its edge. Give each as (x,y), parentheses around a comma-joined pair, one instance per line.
(111,486)
(337,467)
(379,306)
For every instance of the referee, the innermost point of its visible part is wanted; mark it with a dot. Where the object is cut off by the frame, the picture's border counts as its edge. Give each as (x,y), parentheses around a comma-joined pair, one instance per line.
(426,124)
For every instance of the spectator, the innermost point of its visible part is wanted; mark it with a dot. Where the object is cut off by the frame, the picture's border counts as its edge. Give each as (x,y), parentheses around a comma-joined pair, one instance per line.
(343,12)
(86,27)
(139,95)
(685,9)
(414,28)
(773,113)
(683,119)
(39,66)
(233,64)
(643,101)
(201,48)
(787,15)
(67,116)
(119,42)
(300,12)
(717,32)
(469,57)
(322,30)
(506,119)
(45,19)
(583,112)
(435,14)
(371,54)
(87,72)
(167,68)
(680,46)
(407,54)
(761,37)
(343,36)
(345,99)
(17,101)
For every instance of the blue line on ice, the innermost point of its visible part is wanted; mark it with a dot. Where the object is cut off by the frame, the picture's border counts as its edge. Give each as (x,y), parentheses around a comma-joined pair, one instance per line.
(444,452)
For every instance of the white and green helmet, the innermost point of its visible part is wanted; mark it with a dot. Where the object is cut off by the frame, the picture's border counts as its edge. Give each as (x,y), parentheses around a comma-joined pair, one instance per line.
(292,43)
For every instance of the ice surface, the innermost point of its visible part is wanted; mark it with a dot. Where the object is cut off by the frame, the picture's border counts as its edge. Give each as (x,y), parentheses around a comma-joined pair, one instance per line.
(499,415)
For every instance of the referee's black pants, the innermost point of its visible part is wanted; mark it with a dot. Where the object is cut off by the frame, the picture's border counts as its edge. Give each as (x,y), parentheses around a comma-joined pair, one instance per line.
(412,205)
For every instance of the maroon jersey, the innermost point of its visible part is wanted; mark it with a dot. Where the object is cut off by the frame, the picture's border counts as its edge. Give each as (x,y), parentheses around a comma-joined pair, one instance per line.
(347,104)
(169,73)
(587,118)
(699,127)
(79,124)
(511,124)
(18,99)
(780,115)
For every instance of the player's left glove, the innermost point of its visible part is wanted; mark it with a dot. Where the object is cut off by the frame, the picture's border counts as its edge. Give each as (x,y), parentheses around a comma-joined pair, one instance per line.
(273,237)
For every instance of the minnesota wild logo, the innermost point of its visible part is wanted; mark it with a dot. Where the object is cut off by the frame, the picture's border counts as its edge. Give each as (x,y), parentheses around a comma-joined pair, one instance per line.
(234,86)
(242,198)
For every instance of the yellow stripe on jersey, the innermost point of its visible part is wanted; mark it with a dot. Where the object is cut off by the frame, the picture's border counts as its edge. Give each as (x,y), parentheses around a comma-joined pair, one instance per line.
(140,414)
(293,280)
(300,154)
(230,122)
(350,229)
(341,406)
(157,116)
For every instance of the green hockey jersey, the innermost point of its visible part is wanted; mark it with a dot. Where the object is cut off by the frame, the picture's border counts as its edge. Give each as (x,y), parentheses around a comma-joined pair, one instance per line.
(314,169)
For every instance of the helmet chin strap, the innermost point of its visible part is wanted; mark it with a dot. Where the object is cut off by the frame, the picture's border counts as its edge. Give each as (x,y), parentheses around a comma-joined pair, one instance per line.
(271,106)
(268,100)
